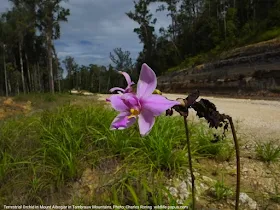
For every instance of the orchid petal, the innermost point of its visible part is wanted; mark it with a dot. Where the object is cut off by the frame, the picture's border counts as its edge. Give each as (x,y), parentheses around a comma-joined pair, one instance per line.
(147,82)
(122,121)
(157,104)
(118,103)
(116,89)
(128,89)
(146,121)
(127,78)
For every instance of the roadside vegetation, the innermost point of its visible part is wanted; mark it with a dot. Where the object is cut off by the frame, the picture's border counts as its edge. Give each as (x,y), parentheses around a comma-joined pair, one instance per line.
(268,151)
(66,154)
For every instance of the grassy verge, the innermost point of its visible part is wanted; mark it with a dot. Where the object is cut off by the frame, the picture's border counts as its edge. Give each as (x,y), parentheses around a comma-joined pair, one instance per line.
(67,155)
(48,100)
(42,156)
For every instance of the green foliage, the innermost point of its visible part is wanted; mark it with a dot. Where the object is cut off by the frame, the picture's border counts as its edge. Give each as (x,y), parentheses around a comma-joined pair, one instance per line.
(72,72)
(267,35)
(121,59)
(191,62)
(45,100)
(165,147)
(268,151)
(221,191)
(26,33)
(276,196)
(142,189)
(198,33)
(51,149)
(209,143)
(95,78)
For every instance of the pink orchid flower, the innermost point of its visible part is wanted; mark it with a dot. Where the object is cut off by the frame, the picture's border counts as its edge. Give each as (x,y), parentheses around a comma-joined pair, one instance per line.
(128,89)
(143,104)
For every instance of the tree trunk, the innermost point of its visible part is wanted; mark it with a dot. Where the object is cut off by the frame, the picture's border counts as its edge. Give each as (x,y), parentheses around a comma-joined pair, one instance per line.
(59,88)
(17,87)
(80,82)
(225,26)
(5,72)
(77,80)
(99,82)
(32,80)
(39,77)
(57,69)
(109,80)
(91,84)
(35,78)
(28,73)
(21,69)
(225,21)
(49,46)
(9,86)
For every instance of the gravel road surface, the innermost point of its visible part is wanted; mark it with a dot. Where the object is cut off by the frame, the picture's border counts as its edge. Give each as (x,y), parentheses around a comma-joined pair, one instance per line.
(256,120)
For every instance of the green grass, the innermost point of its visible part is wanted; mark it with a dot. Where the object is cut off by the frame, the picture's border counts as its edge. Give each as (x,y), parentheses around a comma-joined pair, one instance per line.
(48,100)
(44,154)
(209,143)
(221,191)
(268,151)
(37,97)
(141,190)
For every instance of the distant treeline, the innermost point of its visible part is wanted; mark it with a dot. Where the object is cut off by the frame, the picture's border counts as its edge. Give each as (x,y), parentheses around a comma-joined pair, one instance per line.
(97,78)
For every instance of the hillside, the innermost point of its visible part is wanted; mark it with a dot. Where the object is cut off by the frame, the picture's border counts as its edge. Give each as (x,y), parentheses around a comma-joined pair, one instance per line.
(253,70)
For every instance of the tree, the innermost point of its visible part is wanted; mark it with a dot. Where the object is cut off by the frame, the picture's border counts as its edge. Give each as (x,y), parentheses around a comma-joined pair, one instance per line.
(84,77)
(58,70)
(145,32)
(71,68)
(50,14)
(5,70)
(173,13)
(121,59)
(3,46)
(18,21)
(27,52)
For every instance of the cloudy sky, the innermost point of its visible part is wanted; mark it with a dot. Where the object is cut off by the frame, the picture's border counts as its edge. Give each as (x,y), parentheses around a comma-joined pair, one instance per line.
(96,27)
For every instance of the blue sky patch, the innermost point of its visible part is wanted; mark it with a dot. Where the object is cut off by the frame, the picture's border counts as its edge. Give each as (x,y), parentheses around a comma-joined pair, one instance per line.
(85,42)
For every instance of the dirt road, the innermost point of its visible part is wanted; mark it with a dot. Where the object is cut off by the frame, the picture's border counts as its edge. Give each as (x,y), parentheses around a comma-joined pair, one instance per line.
(256,120)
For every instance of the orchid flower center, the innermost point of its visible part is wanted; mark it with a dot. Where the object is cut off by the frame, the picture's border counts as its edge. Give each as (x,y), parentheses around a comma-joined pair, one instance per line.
(134,113)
